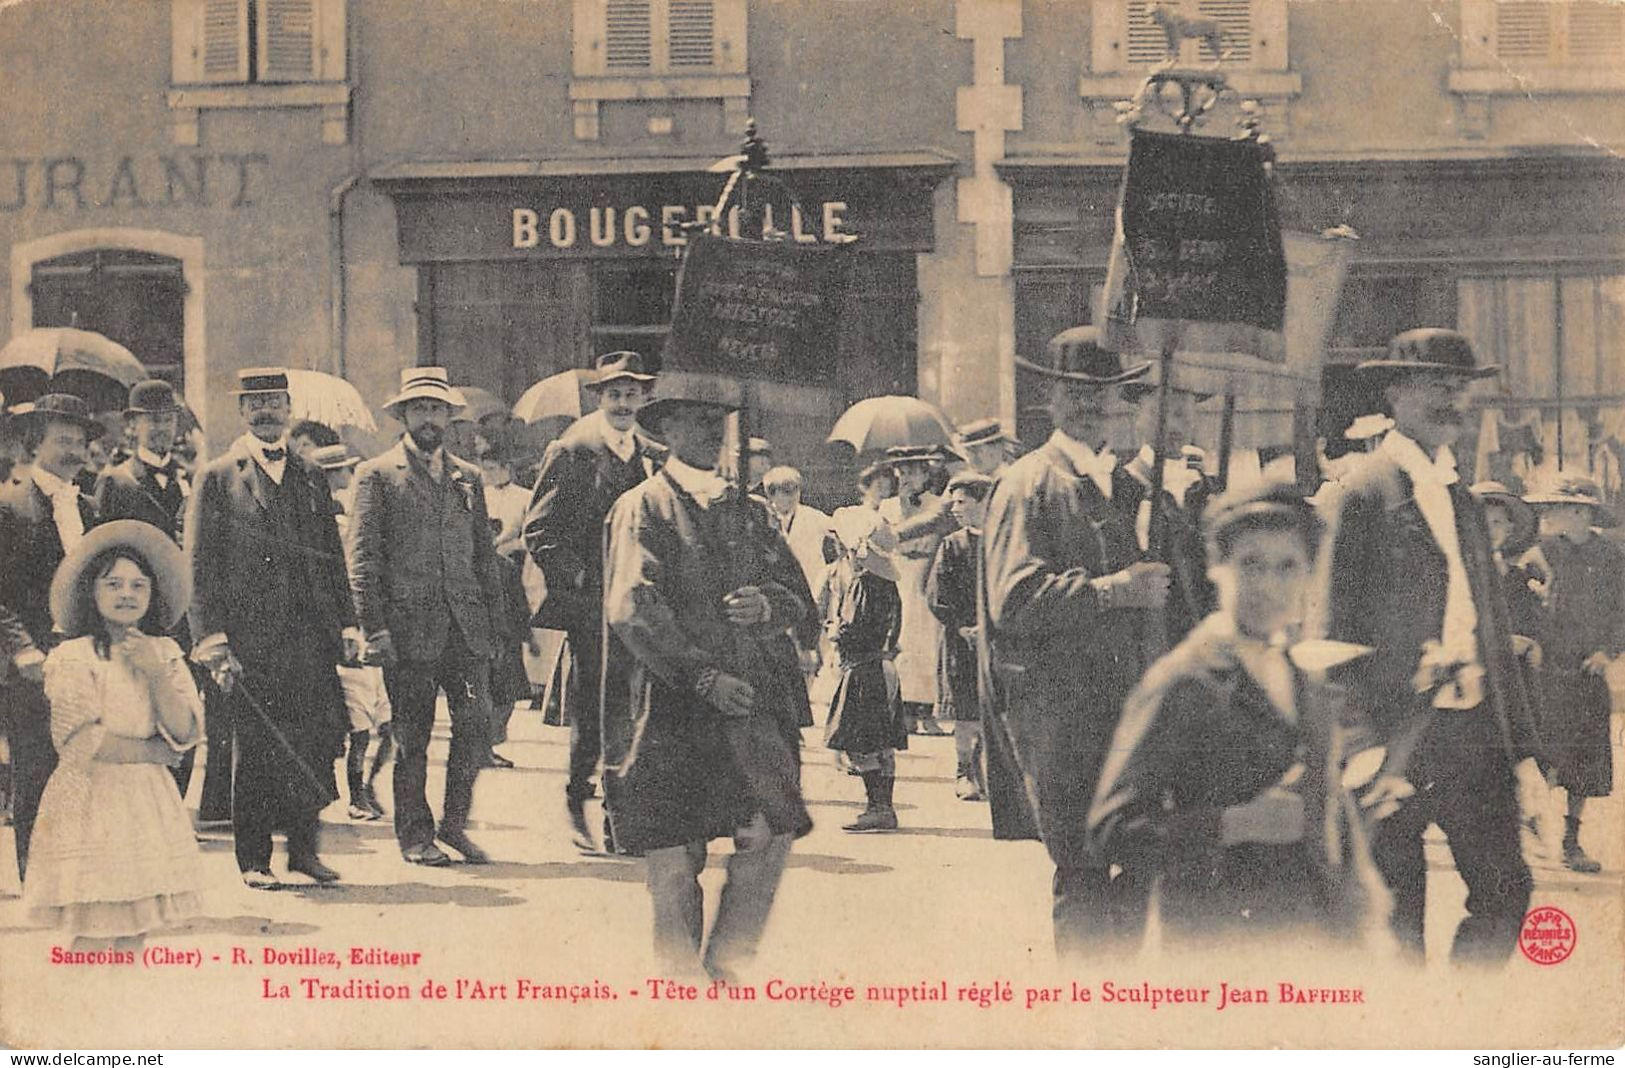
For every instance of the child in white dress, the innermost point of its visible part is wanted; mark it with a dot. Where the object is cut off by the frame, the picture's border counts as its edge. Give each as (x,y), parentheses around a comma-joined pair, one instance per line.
(114,855)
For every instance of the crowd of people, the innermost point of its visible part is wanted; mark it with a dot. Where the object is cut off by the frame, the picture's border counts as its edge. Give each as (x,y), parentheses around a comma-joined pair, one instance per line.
(1245,704)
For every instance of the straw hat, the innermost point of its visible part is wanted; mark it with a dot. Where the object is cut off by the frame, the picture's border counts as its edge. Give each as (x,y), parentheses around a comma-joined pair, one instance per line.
(1580,490)
(172,579)
(1524,524)
(431,383)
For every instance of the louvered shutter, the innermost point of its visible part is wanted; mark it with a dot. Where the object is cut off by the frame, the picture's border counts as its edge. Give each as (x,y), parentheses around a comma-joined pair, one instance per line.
(287,40)
(628,35)
(209,41)
(690,34)
(1596,31)
(1147,44)
(1524,30)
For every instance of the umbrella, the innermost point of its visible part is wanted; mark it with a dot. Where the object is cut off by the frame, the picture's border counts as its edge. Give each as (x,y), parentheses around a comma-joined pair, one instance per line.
(884,422)
(479,403)
(328,399)
(564,395)
(67,360)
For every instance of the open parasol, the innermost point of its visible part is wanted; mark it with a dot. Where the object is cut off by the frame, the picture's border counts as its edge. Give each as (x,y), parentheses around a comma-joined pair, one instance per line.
(881,423)
(328,399)
(63,359)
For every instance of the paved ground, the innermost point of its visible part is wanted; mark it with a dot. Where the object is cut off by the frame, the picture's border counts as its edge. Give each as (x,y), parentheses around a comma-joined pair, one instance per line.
(939,900)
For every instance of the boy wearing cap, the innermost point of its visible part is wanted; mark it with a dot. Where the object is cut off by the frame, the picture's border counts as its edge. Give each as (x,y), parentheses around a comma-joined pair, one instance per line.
(1223,778)
(1410,572)
(426,590)
(700,734)
(599,457)
(271,618)
(950,590)
(42,518)
(1585,631)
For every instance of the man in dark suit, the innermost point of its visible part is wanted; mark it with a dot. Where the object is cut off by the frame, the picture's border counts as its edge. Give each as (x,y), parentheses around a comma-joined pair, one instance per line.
(1064,608)
(427,594)
(1411,573)
(271,618)
(41,518)
(600,457)
(150,486)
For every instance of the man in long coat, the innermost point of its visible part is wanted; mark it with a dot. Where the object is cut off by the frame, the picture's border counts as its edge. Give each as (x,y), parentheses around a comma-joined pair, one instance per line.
(271,617)
(41,517)
(427,594)
(1411,573)
(1065,605)
(701,587)
(600,457)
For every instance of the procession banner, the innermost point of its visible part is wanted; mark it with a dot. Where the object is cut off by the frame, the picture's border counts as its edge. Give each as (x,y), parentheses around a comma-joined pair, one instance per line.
(757,309)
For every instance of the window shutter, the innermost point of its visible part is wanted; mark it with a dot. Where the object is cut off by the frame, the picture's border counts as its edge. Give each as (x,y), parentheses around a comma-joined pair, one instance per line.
(287,40)
(1148,46)
(1236,16)
(209,41)
(1596,31)
(691,34)
(628,37)
(332,45)
(1524,30)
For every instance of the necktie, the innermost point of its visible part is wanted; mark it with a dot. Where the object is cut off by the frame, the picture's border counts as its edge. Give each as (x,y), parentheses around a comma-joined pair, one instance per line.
(275,456)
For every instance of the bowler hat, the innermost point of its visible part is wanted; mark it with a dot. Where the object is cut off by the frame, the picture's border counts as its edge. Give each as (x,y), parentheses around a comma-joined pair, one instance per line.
(624,365)
(686,389)
(152,397)
(261,380)
(1430,348)
(1579,490)
(425,383)
(172,579)
(1524,524)
(1077,356)
(60,407)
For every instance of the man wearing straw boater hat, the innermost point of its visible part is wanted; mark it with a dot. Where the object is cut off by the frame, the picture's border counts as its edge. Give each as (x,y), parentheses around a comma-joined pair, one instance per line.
(1410,571)
(1065,597)
(702,741)
(601,456)
(426,591)
(42,518)
(271,618)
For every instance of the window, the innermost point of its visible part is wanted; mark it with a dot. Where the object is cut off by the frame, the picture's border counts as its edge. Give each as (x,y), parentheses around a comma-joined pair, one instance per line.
(136,298)
(631,305)
(233,42)
(659,50)
(1538,47)
(1148,46)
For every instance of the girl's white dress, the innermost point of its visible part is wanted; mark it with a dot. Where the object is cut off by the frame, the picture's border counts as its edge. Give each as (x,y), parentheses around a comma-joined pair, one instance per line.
(113,851)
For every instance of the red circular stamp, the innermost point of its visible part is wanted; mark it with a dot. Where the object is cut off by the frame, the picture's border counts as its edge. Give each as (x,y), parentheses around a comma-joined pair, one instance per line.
(1548,935)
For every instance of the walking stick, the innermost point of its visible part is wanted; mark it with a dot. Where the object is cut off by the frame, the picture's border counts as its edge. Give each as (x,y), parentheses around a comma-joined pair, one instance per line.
(253,704)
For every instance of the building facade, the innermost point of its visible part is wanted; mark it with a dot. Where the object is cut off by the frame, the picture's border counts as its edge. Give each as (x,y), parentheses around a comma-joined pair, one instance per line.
(502,186)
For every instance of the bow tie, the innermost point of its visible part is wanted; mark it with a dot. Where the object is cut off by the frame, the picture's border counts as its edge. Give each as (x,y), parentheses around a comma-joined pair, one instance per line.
(274,456)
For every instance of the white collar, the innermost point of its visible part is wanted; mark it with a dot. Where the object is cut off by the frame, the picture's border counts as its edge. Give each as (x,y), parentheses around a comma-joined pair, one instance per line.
(49,484)
(255,445)
(1097,465)
(621,442)
(146,456)
(704,486)
(1404,451)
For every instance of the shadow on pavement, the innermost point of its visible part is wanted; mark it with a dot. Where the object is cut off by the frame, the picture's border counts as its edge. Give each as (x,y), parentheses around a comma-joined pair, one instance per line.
(467,896)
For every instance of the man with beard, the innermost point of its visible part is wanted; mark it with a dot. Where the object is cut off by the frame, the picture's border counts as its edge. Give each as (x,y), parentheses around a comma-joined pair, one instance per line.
(151,486)
(600,457)
(271,618)
(42,517)
(1412,573)
(427,594)
(1064,609)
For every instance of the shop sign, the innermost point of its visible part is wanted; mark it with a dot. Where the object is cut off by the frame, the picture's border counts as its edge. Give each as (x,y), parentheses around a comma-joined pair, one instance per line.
(74,183)
(636,226)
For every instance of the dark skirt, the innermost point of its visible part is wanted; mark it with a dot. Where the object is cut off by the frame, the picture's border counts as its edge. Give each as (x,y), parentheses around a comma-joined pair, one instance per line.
(956,680)
(864,717)
(1574,729)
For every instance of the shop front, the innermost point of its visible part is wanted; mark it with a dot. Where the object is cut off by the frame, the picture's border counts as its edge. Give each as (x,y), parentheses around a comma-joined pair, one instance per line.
(525,270)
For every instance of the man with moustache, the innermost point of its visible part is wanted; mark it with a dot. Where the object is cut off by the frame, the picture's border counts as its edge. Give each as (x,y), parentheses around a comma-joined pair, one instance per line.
(427,594)
(150,486)
(42,517)
(702,742)
(600,457)
(271,618)
(1064,608)
(1412,573)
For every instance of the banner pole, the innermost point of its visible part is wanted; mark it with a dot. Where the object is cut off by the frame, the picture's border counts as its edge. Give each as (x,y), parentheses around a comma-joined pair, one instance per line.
(1227,438)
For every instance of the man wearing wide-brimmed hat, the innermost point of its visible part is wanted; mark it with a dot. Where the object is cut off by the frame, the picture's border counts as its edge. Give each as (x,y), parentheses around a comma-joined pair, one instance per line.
(1411,573)
(701,737)
(1584,633)
(601,456)
(424,575)
(271,618)
(1065,601)
(42,518)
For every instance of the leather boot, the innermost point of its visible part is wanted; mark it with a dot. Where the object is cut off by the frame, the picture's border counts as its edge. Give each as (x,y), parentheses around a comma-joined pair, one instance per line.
(1574,858)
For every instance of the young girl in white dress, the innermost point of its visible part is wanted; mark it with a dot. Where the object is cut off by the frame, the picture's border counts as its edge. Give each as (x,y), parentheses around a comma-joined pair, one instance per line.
(114,856)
